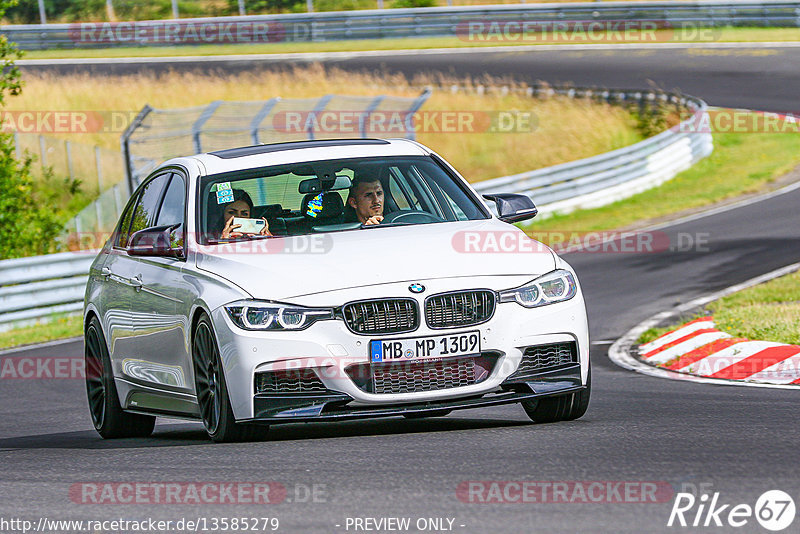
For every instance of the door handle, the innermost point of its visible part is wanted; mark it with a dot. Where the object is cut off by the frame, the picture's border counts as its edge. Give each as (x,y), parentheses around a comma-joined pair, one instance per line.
(136,282)
(105,272)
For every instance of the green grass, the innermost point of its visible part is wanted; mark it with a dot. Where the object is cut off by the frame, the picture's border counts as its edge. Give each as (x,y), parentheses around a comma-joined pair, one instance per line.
(59,328)
(413,43)
(767,312)
(741,163)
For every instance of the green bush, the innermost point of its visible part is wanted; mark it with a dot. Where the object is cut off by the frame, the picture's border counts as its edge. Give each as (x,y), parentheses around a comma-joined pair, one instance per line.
(413,3)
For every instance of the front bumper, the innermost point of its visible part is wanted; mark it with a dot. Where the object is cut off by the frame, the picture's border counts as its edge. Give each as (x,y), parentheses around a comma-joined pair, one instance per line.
(330,349)
(335,406)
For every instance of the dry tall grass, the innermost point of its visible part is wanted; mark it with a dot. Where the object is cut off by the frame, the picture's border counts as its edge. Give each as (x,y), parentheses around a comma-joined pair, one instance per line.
(564,130)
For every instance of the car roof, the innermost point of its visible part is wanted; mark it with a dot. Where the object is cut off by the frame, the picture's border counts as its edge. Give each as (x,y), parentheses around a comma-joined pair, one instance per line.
(301,151)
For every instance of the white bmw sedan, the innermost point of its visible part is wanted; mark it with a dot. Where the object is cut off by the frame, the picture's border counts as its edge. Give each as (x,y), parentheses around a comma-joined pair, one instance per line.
(322,281)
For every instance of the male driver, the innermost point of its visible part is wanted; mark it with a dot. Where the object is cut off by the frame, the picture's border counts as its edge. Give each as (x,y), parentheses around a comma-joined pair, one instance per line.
(366,200)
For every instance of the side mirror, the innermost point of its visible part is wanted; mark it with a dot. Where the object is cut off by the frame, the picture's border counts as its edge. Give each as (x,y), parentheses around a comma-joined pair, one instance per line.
(161,241)
(512,207)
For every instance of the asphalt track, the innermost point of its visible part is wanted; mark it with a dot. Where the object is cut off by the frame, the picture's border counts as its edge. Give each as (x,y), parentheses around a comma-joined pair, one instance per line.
(739,442)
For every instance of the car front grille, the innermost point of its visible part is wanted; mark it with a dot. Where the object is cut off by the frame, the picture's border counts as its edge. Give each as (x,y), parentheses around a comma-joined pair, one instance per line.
(540,358)
(289,381)
(389,316)
(464,308)
(425,375)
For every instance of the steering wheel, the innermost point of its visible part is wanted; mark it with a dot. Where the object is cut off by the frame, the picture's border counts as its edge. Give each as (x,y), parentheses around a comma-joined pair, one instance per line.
(411,217)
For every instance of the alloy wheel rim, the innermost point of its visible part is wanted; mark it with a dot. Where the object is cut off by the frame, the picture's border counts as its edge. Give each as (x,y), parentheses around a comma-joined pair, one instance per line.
(95,384)
(207,378)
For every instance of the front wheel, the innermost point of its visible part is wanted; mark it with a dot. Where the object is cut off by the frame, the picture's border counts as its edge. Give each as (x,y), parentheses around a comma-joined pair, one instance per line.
(108,417)
(561,408)
(212,390)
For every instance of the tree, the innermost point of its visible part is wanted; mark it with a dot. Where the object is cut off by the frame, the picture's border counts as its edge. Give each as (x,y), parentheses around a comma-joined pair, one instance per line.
(28,225)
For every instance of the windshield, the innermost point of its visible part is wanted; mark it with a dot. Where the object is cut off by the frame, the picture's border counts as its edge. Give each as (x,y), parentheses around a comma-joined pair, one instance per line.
(330,196)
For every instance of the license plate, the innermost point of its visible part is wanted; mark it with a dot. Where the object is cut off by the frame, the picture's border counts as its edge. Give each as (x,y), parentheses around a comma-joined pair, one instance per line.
(422,348)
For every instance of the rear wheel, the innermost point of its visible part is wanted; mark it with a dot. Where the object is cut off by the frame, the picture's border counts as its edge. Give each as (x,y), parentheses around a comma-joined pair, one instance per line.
(212,390)
(562,408)
(108,417)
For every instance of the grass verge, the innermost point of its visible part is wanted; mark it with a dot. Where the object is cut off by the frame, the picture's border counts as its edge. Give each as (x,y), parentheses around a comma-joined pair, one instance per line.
(59,328)
(766,312)
(421,43)
(559,128)
(741,163)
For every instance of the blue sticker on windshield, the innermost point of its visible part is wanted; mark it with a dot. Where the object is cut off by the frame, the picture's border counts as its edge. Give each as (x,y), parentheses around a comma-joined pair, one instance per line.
(224,186)
(314,206)
(223,197)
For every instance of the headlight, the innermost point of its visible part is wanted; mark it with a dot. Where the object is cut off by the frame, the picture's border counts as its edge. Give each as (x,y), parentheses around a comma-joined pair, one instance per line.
(555,286)
(253,315)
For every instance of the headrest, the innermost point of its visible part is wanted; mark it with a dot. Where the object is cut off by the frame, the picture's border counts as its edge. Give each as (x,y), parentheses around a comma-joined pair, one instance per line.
(321,206)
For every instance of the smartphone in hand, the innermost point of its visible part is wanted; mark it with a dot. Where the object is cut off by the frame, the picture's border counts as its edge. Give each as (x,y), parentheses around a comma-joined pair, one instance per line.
(248,226)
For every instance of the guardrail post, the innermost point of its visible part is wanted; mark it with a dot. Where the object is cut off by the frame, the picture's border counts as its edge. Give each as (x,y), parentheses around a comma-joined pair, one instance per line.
(409,122)
(68,151)
(99,168)
(42,14)
(126,149)
(310,6)
(317,109)
(362,128)
(175,13)
(42,152)
(117,200)
(198,125)
(241,8)
(260,116)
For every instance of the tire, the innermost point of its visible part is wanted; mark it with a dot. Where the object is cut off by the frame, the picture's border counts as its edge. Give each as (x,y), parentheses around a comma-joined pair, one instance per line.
(212,390)
(108,417)
(561,408)
(425,415)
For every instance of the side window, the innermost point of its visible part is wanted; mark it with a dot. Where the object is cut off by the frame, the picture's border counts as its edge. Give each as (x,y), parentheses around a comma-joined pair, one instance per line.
(125,223)
(174,201)
(145,211)
(400,190)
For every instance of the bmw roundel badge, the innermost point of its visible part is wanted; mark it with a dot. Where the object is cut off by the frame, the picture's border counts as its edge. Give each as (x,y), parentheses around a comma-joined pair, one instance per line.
(416,288)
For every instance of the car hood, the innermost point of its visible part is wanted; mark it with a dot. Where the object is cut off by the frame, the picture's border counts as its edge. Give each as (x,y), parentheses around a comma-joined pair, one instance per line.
(284,268)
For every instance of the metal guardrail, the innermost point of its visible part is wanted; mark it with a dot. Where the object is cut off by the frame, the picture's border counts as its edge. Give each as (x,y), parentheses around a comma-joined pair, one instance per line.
(393,23)
(618,174)
(36,287)
(40,286)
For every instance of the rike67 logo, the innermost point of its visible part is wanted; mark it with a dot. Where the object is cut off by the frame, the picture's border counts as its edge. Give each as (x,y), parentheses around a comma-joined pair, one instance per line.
(774,510)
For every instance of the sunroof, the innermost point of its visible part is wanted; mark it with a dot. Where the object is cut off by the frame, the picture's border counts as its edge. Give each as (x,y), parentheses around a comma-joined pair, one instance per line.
(231,153)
